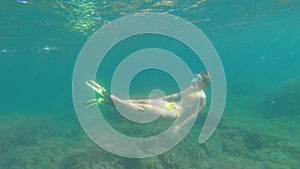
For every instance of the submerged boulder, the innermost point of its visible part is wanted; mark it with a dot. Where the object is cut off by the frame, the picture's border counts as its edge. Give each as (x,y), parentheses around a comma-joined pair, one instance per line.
(284,101)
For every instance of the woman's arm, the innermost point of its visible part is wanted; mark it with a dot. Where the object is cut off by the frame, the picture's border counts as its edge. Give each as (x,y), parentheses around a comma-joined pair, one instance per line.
(193,116)
(177,96)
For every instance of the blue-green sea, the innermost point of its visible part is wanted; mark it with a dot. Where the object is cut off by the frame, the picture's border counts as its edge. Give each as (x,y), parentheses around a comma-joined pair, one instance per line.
(257,42)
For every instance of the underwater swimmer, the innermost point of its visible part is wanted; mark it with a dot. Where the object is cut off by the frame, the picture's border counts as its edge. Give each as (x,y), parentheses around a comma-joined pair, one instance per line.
(169,107)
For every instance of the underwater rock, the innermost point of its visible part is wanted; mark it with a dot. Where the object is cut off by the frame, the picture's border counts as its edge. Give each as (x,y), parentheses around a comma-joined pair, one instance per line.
(278,156)
(238,140)
(91,159)
(284,101)
(22,131)
(230,147)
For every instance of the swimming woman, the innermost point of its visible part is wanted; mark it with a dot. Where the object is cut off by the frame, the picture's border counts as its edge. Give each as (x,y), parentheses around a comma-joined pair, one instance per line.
(168,107)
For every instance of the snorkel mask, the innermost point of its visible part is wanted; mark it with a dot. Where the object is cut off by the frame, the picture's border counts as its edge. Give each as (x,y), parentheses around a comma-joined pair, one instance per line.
(196,80)
(201,80)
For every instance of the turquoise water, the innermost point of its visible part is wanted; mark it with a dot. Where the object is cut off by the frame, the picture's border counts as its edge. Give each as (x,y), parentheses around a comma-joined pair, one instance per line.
(257,42)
